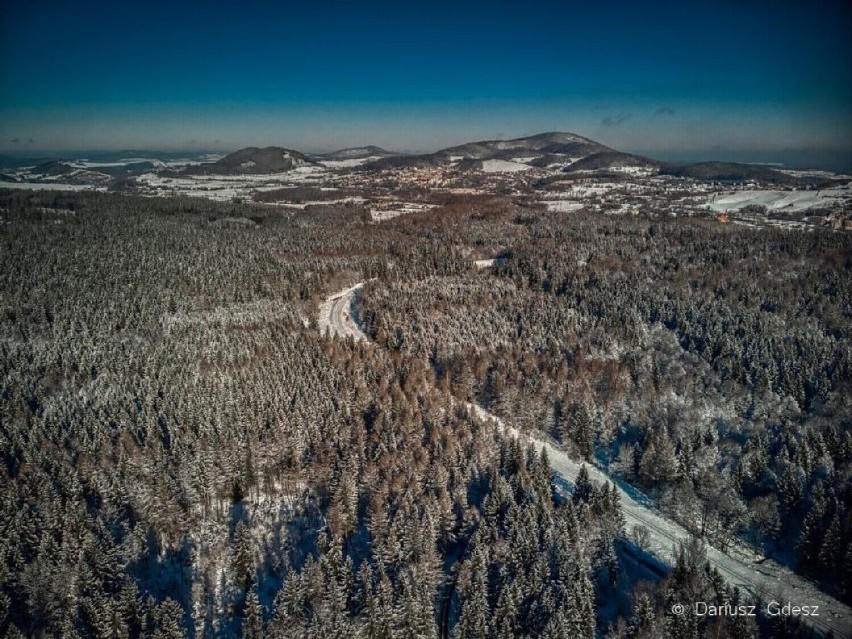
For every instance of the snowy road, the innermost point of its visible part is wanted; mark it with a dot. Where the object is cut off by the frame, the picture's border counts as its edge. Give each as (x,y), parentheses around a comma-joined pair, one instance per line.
(336,314)
(768,580)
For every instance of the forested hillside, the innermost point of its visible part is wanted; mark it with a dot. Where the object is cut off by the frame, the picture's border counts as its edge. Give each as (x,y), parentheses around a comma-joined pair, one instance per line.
(186,454)
(710,366)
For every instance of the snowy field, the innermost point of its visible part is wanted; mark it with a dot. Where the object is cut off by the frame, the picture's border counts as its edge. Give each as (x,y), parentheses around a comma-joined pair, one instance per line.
(399,208)
(224,188)
(160,164)
(814,173)
(503,166)
(783,201)
(641,171)
(348,164)
(51,186)
(353,199)
(563,206)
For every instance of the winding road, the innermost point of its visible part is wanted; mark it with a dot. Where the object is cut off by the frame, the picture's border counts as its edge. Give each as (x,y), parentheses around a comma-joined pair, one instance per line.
(767,580)
(337,314)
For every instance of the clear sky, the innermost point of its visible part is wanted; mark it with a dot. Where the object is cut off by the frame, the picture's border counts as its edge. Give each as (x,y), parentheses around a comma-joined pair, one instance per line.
(690,78)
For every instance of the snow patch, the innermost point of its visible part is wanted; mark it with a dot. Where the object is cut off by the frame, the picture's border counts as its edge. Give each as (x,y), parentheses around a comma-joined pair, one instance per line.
(503,166)
(563,206)
(784,201)
(51,186)
(348,164)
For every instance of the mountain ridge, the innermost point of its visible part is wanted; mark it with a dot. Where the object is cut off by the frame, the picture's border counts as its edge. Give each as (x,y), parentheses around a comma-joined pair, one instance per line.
(555,143)
(356,153)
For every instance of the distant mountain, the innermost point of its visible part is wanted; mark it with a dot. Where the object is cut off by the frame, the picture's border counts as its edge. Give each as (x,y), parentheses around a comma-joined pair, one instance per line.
(553,143)
(610,160)
(53,168)
(730,172)
(555,146)
(357,153)
(63,171)
(137,155)
(107,157)
(575,153)
(252,160)
(127,169)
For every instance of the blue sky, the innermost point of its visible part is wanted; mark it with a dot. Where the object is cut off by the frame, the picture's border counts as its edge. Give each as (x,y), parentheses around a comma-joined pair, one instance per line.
(666,78)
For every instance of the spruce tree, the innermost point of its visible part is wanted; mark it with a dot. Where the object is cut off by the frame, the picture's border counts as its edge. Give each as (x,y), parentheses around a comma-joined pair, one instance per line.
(583,487)
(475,612)
(830,552)
(252,616)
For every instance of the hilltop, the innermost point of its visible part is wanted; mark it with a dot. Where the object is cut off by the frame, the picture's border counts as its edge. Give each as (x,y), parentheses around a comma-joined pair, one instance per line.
(612,159)
(551,143)
(253,160)
(730,172)
(357,153)
(549,148)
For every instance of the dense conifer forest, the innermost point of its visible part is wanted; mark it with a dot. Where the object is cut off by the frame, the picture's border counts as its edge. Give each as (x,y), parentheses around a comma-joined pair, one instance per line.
(709,365)
(186,454)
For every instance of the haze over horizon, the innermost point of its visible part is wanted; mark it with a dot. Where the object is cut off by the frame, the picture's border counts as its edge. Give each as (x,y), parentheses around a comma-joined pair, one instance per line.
(764,82)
